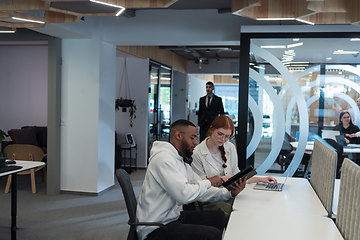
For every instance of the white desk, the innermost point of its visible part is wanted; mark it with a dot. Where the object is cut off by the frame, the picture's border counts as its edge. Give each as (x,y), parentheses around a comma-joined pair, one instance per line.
(26,165)
(260,225)
(297,197)
(310,147)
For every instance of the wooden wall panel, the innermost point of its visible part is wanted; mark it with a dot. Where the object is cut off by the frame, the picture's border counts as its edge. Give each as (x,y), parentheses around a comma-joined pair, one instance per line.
(165,57)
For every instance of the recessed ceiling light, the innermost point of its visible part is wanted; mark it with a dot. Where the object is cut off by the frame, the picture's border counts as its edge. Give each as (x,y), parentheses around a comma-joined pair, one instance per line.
(296,39)
(345,52)
(7,31)
(354,39)
(274,46)
(328,58)
(304,21)
(295,45)
(274,19)
(108,4)
(259,67)
(28,20)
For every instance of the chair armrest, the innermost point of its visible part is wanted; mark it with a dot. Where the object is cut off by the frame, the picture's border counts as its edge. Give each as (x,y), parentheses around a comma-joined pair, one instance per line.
(150,224)
(146,224)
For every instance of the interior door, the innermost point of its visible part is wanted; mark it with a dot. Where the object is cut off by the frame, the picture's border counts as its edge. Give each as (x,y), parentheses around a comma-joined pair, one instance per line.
(159,103)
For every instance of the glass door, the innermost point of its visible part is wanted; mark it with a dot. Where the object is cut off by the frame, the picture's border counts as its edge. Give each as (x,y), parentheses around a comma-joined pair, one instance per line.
(160,103)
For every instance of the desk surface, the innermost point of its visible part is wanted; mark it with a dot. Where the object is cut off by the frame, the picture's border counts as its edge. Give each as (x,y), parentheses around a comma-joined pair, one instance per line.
(353,148)
(26,165)
(297,197)
(260,225)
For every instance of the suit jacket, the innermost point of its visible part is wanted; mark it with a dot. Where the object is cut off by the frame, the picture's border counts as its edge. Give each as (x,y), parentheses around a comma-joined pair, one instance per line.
(208,114)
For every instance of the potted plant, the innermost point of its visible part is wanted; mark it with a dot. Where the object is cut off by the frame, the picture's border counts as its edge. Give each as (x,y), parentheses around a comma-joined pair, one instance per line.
(122,103)
(129,104)
(3,135)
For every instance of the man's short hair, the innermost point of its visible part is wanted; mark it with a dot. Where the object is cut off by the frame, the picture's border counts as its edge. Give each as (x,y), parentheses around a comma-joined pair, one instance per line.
(210,83)
(181,123)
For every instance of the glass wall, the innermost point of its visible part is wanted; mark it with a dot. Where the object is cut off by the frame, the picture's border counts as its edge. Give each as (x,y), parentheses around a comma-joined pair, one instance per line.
(297,89)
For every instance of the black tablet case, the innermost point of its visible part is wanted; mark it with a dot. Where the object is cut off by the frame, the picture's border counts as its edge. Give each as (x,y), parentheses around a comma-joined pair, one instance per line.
(247,172)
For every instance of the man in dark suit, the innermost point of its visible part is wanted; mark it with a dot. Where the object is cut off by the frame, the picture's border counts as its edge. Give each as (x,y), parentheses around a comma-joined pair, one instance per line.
(209,108)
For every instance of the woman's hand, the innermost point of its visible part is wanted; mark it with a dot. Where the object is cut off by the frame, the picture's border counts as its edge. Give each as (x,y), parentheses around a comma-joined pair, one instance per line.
(350,135)
(225,178)
(237,187)
(347,141)
(268,179)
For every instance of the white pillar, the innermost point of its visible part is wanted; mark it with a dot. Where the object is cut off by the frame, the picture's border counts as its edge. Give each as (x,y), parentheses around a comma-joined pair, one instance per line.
(88,115)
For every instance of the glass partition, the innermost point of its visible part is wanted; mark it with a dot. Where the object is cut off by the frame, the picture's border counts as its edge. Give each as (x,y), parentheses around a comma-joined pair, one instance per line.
(297,89)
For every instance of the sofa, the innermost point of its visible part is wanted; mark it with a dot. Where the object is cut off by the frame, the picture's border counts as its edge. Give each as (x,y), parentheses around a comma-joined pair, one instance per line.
(32,135)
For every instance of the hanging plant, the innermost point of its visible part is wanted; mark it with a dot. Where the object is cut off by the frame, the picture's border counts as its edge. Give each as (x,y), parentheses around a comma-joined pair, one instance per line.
(132,114)
(126,102)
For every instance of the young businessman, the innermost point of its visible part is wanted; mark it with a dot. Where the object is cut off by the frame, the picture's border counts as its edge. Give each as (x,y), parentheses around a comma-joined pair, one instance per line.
(170,182)
(210,106)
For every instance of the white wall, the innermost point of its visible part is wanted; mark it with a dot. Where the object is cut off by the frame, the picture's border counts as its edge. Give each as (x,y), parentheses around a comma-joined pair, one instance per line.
(23,86)
(138,75)
(179,96)
(197,89)
(88,110)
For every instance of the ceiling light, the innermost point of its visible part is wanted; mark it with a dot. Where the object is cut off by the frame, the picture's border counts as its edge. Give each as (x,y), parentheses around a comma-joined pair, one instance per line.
(296,39)
(108,4)
(328,58)
(274,46)
(345,52)
(7,31)
(354,39)
(304,21)
(120,11)
(28,20)
(295,45)
(259,67)
(274,19)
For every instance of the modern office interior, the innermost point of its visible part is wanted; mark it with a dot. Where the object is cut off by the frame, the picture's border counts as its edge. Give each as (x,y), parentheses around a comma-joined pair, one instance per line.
(284,78)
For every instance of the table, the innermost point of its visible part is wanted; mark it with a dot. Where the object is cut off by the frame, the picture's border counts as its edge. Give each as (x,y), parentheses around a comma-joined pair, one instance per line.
(297,197)
(353,148)
(125,147)
(295,213)
(260,225)
(26,165)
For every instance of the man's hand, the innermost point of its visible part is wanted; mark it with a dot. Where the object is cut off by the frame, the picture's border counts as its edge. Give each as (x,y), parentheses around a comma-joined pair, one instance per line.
(237,187)
(225,178)
(215,181)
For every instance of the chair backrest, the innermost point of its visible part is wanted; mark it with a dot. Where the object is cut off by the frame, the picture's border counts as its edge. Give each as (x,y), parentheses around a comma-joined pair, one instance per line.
(130,199)
(348,214)
(323,173)
(340,151)
(23,152)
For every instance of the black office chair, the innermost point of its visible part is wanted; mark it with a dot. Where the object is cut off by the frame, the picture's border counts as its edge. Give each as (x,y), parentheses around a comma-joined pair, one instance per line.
(130,200)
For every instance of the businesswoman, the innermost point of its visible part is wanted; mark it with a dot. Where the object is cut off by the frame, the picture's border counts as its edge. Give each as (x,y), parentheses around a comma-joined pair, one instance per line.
(216,156)
(347,128)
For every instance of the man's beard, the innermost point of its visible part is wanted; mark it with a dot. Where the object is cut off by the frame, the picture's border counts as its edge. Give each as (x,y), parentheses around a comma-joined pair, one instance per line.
(186,149)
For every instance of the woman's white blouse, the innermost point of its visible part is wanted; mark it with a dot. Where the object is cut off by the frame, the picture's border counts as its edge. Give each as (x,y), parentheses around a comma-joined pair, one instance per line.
(205,165)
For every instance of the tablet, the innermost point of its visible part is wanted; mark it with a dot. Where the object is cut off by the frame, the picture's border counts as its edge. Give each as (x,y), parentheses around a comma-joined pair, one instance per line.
(247,172)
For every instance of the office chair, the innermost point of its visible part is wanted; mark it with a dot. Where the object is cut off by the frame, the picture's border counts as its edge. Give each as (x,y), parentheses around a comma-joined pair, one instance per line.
(340,155)
(348,213)
(26,153)
(130,200)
